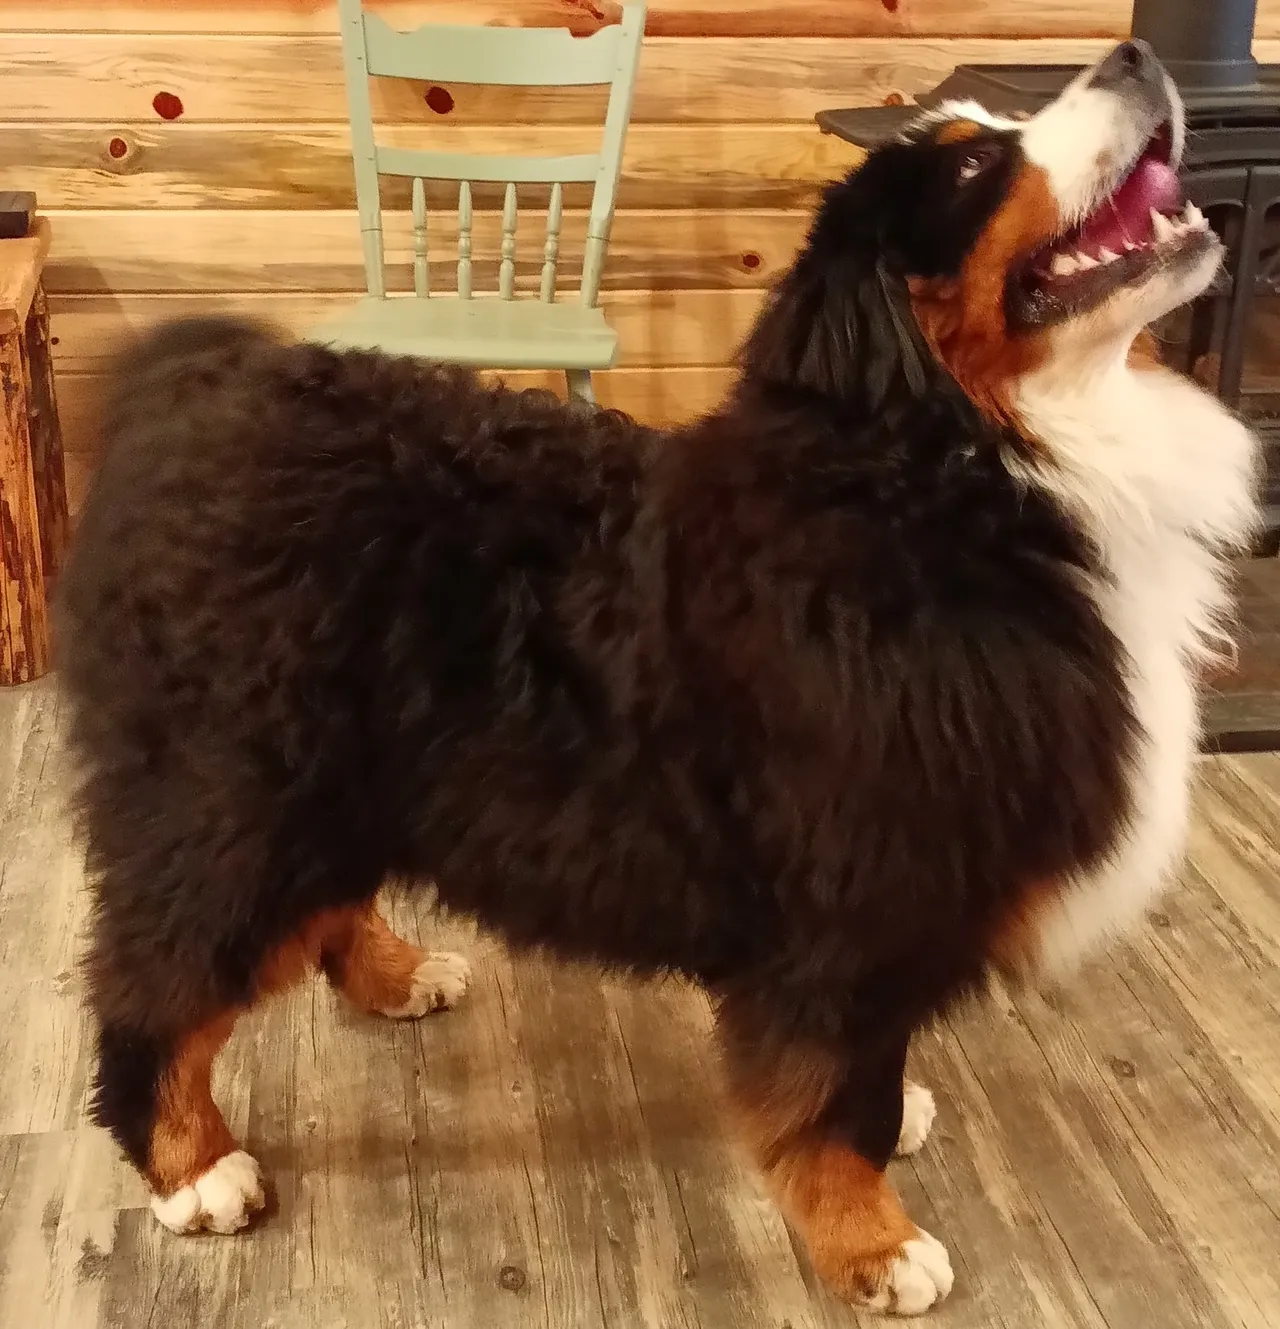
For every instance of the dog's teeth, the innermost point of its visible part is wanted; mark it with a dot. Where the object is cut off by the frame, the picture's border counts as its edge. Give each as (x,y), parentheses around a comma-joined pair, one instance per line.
(1086,261)
(1193,216)
(1130,246)
(1161,225)
(1063,265)
(1106,256)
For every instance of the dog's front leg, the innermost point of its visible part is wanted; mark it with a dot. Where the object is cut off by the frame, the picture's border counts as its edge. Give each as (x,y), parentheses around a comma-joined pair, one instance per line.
(823,1125)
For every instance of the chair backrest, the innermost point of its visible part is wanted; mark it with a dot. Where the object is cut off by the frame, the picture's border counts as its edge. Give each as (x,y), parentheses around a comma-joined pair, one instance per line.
(511,57)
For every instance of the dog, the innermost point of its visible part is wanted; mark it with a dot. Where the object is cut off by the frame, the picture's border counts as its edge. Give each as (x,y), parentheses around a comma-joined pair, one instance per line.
(877,679)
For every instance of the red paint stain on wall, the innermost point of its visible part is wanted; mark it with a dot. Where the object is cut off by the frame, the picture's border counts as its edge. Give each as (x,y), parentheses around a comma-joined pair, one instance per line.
(440,100)
(117,148)
(167,105)
(890,5)
(586,16)
(751,260)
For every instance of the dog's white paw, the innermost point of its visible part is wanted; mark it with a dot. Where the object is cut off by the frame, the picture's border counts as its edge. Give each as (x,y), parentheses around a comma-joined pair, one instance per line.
(918,1276)
(439,983)
(220,1200)
(918,1112)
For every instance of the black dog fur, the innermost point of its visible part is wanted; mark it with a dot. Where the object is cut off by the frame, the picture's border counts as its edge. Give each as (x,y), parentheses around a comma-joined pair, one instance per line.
(800,701)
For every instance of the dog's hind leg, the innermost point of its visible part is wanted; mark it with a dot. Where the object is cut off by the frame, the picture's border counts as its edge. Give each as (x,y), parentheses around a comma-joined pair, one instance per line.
(153,1095)
(823,1125)
(165,1007)
(382,973)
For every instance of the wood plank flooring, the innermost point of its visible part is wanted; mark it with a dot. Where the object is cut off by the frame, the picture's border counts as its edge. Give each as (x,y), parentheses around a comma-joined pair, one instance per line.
(551,1156)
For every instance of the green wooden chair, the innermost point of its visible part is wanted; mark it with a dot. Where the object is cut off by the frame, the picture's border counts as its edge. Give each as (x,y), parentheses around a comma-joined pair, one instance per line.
(497,331)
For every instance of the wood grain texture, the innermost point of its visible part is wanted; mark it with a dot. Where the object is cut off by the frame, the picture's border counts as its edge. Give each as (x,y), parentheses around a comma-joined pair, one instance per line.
(24,622)
(553,1152)
(172,165)
(656,328)
(21,262)
(47,472)
(277,251)
(298,80)
(667,18)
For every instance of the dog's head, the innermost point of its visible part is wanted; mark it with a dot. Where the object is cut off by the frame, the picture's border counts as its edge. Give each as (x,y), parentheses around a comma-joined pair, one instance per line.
(996,247)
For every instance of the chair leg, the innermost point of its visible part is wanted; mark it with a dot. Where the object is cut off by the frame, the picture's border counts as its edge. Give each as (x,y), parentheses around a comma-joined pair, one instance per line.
(579,381)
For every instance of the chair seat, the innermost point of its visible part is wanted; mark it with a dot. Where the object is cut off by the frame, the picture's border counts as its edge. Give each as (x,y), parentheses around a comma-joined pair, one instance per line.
(486,332)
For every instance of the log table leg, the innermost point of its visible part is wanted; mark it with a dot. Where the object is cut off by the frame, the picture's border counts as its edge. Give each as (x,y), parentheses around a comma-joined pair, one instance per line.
(24,619)
(47,467)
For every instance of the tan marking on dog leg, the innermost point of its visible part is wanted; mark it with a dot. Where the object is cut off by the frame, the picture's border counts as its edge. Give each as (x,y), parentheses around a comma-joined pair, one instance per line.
(302,953)
(382,973)
(189,1134)
(860,1240)
(201,1178)
(1016,949)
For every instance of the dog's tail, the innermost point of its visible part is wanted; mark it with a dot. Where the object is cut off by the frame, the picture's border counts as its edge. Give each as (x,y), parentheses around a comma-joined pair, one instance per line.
(160,349)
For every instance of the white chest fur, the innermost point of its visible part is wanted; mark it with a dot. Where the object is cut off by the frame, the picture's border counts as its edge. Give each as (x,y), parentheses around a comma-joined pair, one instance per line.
(1163,479)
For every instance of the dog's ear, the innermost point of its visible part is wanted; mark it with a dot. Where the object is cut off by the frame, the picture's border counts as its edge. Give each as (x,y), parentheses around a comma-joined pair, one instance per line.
(839,324)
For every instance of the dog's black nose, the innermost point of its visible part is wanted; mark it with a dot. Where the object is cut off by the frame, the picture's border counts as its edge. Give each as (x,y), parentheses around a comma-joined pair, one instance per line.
(1130,63)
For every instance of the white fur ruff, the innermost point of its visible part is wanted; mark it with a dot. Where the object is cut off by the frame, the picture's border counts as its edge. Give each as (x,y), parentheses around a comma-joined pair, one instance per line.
(1161,477)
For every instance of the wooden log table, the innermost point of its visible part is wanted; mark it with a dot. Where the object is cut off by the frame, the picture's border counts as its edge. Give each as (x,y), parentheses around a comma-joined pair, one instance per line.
(33,497)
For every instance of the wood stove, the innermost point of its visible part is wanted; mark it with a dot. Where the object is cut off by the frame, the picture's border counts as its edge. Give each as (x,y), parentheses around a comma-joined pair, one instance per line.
(1230,339)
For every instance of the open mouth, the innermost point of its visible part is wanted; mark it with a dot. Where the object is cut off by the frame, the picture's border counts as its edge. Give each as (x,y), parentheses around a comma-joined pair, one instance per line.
(1144,222)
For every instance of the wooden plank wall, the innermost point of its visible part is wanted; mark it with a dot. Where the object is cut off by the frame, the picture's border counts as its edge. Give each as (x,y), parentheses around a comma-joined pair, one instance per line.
(194,155)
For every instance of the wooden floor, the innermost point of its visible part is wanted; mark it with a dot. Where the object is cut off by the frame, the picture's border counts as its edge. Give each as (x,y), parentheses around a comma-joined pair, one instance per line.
(551,1154)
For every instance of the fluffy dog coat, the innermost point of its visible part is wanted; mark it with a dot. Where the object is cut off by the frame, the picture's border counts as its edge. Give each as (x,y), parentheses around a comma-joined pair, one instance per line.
(827,701)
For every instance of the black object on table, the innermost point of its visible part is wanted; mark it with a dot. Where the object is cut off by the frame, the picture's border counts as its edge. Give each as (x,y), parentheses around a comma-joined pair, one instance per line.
(1003,89)
(17,211)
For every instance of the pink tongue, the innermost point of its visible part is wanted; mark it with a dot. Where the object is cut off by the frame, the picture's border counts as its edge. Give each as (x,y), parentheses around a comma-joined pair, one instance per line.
(1127,214)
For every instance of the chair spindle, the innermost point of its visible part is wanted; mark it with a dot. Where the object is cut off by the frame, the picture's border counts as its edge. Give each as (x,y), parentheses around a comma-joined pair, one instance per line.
(507,271)
(464,240)
(551,250)
(421,265)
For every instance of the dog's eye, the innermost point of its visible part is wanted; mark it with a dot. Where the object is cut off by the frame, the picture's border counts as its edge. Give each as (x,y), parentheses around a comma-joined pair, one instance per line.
(975,162)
